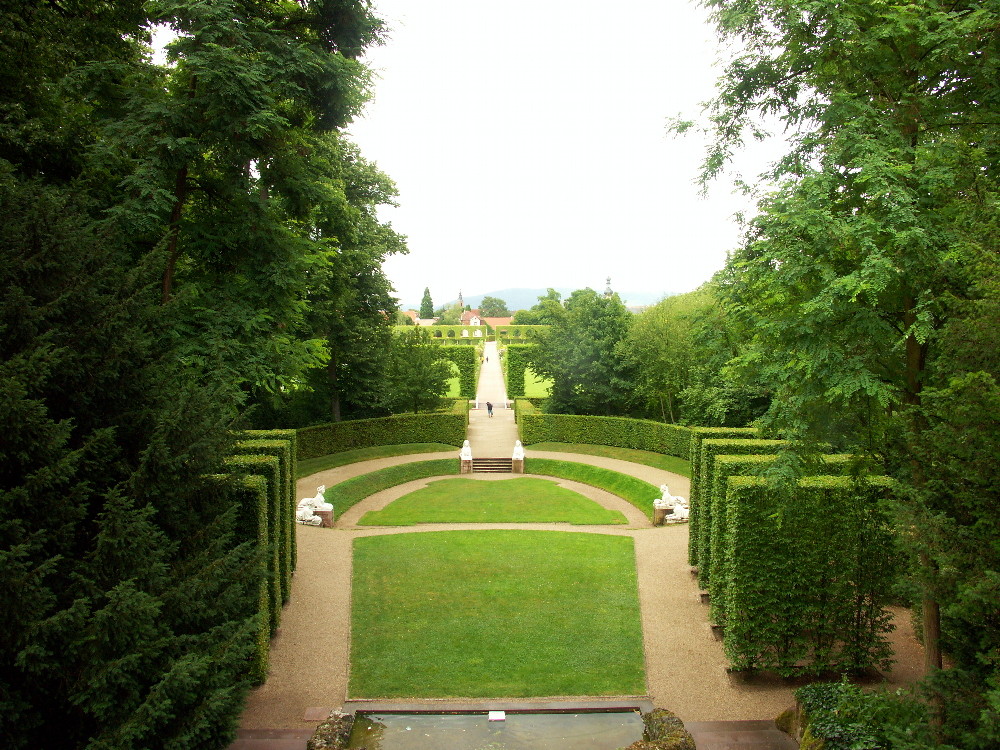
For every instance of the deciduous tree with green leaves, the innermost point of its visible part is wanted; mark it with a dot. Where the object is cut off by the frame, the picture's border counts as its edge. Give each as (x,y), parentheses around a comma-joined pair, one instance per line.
(418,372)
(493,307)
(861,256)
(578,354)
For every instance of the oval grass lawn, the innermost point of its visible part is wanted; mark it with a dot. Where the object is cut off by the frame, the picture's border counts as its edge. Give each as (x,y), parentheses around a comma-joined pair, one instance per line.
(518,500)
(494,613)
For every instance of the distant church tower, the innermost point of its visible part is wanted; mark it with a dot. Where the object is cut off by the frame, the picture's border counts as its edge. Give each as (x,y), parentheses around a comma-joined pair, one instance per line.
(461,302)
(607,290)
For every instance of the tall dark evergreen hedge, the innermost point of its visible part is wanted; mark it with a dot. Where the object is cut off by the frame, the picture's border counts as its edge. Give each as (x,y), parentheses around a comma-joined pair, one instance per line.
(128,599)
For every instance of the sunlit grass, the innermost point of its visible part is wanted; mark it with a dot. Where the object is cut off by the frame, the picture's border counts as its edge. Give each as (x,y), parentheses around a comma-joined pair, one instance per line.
(536,386)
(517,500)
(495,614)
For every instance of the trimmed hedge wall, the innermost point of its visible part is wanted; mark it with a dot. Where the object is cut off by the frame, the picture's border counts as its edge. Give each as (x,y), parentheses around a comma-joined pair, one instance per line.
(281,450)
(322,440)
(618,432)
(810,572)
(726,466)
(292,437)
(465,359)
(516,332)
(515,363)
(251,491)
(267,468)
(699,434)
(705,471)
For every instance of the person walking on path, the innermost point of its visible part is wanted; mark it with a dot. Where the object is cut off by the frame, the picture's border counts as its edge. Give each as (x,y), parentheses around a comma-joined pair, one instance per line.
(489,409)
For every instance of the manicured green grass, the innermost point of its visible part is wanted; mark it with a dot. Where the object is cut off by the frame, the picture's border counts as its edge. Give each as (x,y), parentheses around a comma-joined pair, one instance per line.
(657,460)
(638,492)
(308,466)
(352,491)
(518,500)
(492,613)
(535,386)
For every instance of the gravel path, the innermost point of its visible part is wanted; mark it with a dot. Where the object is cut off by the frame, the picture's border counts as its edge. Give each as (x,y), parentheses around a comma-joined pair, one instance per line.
(685,667)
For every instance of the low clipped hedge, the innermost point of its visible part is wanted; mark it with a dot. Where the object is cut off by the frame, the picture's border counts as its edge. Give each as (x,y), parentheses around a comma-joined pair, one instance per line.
(322,440)
(619,432)
(517,332)
(699,434)
(810,573)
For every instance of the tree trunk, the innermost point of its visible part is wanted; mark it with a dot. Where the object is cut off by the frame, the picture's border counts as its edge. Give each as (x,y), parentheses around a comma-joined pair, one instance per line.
(173,244)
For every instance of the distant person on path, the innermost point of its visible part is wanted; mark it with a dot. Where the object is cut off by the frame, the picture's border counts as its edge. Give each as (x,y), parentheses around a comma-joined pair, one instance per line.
(489,408)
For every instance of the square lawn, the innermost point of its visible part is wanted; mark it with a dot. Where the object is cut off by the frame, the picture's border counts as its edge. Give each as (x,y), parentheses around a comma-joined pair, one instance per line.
(495,613)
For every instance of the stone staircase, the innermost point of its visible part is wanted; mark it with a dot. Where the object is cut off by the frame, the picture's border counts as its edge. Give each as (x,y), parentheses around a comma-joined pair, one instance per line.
(739,735)
(492,466)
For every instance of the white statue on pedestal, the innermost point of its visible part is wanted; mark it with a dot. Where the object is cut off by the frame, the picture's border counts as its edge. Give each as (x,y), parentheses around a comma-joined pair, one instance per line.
(306,510)
(466,453)
(518,451)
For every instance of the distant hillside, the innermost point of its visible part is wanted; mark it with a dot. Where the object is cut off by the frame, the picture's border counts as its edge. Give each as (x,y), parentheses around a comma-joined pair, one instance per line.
(522,299)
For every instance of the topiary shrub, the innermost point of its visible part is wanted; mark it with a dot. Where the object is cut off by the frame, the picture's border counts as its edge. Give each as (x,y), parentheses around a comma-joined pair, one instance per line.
(332,734)
(663,731)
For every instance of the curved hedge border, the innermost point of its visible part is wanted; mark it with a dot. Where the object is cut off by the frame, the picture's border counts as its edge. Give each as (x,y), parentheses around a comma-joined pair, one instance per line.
(337,437)
(635,491)
(353,491)
(619,432)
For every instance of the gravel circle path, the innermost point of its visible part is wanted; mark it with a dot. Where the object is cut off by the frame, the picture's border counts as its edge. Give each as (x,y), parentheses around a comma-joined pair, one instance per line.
(685,666)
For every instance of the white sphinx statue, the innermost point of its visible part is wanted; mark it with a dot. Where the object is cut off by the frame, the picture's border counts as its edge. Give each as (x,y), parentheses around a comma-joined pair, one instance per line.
(466,453)
(306,511)
(676,505)
(518,454)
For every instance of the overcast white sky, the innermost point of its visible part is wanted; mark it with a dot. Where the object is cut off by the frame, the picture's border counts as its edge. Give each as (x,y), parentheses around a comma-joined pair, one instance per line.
(528,143)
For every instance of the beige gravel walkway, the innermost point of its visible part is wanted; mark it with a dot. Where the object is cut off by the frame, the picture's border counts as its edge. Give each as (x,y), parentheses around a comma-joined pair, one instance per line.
(685,667)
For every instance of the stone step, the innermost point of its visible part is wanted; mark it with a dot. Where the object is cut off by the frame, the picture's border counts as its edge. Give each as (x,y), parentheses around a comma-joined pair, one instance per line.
(492,465)
(739,735)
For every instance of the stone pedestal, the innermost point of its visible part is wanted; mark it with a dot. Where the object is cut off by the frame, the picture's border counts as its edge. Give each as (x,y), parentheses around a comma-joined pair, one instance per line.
(327,516)
(517,465)
(659,514)
(466,466)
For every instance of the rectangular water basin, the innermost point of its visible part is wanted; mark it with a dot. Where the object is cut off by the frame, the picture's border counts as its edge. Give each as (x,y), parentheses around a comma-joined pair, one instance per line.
(600,730)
